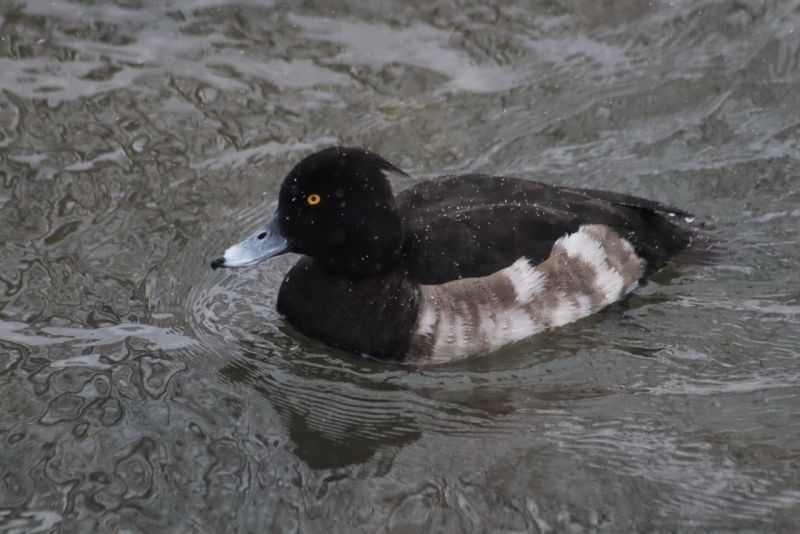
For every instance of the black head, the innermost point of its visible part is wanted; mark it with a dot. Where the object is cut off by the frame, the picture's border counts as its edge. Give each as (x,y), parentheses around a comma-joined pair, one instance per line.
(336,206)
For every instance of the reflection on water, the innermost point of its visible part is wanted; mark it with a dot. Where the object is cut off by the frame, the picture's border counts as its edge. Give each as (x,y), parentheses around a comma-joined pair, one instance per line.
(141,391)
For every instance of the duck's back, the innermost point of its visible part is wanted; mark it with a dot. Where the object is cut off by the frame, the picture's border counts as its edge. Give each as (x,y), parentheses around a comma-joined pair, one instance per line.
(474,225)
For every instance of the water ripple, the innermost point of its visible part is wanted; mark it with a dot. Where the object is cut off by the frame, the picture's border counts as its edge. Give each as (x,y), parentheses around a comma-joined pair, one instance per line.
(143,392)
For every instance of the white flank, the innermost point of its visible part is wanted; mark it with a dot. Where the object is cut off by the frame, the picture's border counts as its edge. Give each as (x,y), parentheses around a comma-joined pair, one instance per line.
(458,332)
(427,318)
(476,315)
(564,312)
(583,245)
(584,303)
(527,281)
(519,325)
(627,246)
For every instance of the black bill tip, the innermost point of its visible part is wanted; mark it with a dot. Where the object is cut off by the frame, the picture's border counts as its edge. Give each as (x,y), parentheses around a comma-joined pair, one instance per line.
(218,262)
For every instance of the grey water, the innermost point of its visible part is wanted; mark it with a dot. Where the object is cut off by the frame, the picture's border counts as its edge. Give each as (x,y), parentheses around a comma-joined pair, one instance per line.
(142,392)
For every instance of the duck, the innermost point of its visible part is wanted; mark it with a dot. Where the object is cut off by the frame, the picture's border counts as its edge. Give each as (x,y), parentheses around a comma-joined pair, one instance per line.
(452,266)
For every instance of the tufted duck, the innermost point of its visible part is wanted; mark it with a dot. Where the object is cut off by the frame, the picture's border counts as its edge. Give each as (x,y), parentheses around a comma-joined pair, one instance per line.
(452,266)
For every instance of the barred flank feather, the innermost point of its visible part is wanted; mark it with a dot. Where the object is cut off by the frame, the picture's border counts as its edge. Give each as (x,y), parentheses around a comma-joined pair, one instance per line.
(585,272)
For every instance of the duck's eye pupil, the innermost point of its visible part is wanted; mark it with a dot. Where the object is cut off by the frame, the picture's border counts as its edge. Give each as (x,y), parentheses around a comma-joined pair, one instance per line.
(313,199)
(262,235)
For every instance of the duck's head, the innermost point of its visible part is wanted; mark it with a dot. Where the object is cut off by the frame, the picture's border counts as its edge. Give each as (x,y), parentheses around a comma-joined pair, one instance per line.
(335,206)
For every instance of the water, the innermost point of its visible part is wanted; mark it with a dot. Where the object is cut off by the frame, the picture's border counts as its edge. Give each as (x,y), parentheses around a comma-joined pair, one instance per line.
(142,392)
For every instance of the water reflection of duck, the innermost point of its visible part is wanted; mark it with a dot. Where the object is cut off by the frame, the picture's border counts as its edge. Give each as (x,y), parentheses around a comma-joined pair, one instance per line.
(452,266)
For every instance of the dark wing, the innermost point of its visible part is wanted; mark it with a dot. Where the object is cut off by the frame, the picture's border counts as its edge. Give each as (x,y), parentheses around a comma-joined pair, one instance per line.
(474,225)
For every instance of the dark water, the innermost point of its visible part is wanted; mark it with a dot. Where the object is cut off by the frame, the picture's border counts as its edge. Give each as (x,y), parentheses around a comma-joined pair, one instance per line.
(142,392)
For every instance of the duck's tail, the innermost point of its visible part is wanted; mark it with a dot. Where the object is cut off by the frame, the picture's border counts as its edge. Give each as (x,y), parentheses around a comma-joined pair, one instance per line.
(658,232)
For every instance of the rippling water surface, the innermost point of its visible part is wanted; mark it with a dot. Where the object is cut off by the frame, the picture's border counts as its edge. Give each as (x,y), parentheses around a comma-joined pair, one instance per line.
(142,392)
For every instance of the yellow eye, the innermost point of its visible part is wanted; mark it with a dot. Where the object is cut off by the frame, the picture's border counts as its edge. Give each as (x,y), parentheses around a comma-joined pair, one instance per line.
(313,199)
